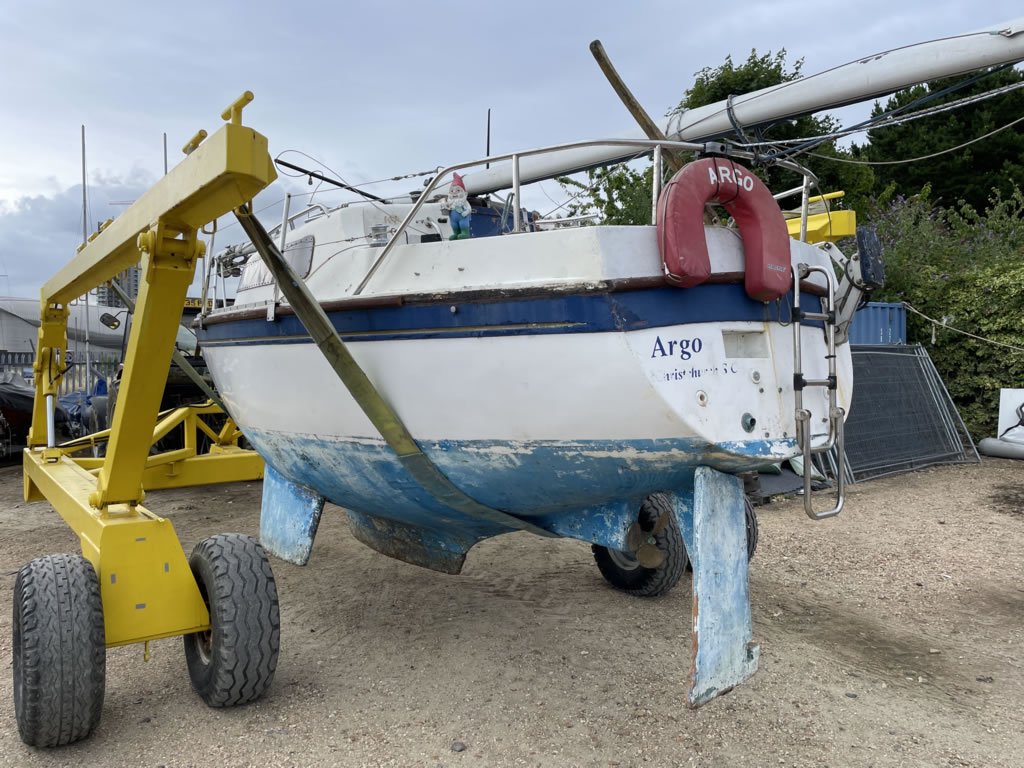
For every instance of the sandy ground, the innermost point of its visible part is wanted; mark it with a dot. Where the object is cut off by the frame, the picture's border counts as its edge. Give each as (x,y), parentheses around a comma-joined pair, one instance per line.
(890,636)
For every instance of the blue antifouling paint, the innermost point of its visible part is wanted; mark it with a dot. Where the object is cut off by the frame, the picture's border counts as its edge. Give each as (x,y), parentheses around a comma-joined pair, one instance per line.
(713,523)
(588,490)
(289,517)
(530,479)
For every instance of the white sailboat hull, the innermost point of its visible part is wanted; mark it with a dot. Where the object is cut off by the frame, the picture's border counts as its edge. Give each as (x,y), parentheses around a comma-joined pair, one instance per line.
(579,387)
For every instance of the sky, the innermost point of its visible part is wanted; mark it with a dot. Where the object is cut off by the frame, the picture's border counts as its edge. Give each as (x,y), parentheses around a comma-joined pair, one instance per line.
(372,90)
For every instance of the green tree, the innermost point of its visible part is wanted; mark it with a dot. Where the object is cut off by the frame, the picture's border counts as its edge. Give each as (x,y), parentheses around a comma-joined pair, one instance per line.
(964,267)
(757,72)
(969,174)
(617,194)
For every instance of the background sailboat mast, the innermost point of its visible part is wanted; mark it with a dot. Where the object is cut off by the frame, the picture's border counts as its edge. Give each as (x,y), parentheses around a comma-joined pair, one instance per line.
(85,239)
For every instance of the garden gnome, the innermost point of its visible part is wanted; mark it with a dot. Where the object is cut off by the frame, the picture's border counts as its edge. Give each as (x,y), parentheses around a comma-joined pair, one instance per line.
(460,209)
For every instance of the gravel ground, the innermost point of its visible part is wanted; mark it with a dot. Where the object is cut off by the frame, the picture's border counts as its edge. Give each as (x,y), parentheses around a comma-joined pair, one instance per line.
(890,636)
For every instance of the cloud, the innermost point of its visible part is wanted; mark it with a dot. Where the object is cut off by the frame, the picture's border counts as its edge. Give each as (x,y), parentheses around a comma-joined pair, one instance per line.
(40,233)
(367,88)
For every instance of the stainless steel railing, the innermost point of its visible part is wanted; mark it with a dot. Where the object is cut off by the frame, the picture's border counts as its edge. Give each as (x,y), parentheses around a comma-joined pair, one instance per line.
(645,145)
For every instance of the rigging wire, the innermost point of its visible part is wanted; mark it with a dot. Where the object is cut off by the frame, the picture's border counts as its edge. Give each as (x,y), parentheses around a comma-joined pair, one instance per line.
(549,197)
(843,132)
(569,200)
(334,182)
(431,172)
(316,191)
(916,159)
(417,174)
(342,180)
(931,96)
(939,324)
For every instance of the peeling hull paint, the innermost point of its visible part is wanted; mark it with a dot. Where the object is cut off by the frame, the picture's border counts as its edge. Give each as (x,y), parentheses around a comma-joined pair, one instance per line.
(402,522)
(289,517)
(588,490)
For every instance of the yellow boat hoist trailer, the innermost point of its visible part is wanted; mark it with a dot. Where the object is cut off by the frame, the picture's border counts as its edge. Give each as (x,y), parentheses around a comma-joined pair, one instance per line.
(133,583)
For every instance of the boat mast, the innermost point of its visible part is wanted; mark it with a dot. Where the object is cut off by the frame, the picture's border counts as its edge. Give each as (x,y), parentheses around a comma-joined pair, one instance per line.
(85,239)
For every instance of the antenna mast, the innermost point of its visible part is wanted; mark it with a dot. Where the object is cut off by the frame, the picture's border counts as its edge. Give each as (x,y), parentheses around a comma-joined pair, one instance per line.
(85,239)
(488,135)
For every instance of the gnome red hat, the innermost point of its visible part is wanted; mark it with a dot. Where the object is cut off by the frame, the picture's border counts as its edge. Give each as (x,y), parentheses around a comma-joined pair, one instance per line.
(457,181)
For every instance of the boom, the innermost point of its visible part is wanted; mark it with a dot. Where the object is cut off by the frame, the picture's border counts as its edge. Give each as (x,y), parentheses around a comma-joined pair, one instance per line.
(864,79)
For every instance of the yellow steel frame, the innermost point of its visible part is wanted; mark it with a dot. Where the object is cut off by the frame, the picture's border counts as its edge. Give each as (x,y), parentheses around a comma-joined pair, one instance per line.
(225,462)
(146,584)
(830,226)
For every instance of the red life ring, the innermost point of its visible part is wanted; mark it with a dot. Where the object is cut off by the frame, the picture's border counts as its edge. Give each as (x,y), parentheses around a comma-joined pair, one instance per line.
(684,250)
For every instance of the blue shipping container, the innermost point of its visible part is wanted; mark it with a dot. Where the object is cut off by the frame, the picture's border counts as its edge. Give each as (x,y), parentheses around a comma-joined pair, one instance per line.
(879,323)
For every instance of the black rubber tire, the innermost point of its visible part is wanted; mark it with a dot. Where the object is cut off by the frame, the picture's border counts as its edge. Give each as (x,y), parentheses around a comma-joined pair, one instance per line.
(60,652)
(234,662)
(638,580)
(752,531)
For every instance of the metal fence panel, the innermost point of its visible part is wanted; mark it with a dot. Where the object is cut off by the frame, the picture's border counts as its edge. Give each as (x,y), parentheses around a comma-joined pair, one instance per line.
(104,365)
(16,359)
(901,417)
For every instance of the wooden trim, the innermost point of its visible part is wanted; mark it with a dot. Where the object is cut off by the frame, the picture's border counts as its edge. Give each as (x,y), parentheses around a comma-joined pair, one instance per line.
(617,285)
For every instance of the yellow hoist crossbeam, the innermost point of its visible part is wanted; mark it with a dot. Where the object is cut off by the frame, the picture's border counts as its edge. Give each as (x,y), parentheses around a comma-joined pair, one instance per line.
(824,224)
(224,462)
(146,584)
